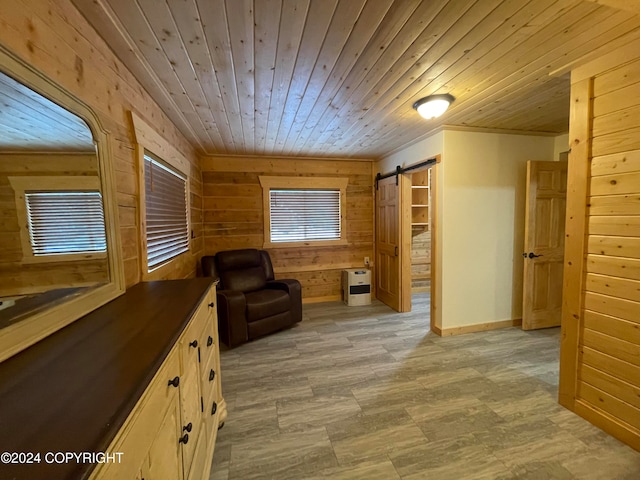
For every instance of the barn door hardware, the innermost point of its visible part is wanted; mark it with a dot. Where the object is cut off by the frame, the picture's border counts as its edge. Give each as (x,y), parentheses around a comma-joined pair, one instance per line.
(400,170)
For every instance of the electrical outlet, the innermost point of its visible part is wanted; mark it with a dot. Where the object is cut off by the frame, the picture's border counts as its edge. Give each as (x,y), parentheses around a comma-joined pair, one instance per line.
(366,261)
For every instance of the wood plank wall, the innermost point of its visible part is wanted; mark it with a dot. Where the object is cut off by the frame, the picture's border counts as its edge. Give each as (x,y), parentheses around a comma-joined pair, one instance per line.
(53,37)
(233,217)
(607,333)
(420,259)
(16,278)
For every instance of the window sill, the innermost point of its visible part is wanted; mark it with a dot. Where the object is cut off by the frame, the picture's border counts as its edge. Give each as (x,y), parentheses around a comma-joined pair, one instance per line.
(63,257)
(164,270)
(306,244)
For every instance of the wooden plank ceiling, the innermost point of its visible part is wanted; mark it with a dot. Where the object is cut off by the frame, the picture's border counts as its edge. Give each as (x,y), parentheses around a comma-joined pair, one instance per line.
(339,77)
(31,122)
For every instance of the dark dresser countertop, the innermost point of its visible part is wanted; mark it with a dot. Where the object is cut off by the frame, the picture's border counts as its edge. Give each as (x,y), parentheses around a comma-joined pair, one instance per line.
(72,391)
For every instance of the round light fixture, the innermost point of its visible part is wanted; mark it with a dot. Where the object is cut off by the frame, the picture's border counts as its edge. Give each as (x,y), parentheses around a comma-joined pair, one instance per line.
(434,105)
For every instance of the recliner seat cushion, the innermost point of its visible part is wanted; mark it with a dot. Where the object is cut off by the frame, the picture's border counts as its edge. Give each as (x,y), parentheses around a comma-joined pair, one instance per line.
(265,303)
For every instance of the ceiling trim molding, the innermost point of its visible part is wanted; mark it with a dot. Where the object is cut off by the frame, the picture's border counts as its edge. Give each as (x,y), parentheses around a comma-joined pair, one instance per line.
(285,157)
(502,131)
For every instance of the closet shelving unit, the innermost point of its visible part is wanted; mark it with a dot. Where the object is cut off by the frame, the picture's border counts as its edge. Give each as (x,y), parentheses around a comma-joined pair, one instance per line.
(420,231)
(420,199)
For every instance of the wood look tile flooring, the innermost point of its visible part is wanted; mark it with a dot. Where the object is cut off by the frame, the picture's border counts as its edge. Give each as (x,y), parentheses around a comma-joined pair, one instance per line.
(368,393)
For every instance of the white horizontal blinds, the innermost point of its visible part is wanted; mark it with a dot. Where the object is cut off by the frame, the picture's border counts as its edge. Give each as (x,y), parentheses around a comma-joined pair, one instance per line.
(298,215)
(166,212)
(64,222)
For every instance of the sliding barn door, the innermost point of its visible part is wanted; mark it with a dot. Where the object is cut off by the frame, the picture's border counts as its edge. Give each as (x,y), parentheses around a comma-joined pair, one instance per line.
(600,349)
(544,244)
(393,262)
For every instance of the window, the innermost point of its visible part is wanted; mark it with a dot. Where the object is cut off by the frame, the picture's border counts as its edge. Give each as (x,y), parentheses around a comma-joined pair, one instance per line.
(65,222)
(298,215)
(304,210)
(61,218)
(167,228)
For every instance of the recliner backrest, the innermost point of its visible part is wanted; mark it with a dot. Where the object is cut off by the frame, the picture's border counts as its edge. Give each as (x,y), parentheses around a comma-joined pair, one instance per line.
(266,265)
(241,270)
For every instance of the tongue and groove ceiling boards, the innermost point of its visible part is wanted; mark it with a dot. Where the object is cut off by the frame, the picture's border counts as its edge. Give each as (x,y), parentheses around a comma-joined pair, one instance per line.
(338,77)
(31,122)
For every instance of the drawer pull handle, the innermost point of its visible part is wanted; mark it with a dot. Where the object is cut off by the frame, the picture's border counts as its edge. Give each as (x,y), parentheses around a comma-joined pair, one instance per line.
(212,375)
(184,439)
(188,427)
(194,344)
(211,305)
(209,341)
(214,408)
(175,382)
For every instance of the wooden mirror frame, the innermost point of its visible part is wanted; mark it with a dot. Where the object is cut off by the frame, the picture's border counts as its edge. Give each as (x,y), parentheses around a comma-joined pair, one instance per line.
(22,334)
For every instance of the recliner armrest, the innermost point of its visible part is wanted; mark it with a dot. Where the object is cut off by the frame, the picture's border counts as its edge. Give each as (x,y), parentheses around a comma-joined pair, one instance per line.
(294,289)
(232,317)
(208,264)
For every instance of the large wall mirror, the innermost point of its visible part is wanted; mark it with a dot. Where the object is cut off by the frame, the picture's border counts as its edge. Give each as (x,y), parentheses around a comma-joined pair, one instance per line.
(59,243)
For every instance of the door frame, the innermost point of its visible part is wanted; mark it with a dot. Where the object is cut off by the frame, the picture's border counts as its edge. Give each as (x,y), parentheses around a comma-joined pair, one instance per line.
(435,296)
(404,185)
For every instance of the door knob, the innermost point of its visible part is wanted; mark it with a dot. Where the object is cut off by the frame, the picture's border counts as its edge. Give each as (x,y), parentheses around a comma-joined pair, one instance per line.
(533,255)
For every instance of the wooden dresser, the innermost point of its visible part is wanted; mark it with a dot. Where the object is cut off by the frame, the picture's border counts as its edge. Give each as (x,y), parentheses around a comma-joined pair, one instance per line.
(137,379)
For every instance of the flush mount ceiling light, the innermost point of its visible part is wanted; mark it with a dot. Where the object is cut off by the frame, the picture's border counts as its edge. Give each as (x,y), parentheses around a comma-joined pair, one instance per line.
(434,105)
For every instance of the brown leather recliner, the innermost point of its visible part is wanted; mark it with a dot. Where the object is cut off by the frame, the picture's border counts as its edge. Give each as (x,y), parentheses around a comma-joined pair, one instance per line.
(250,302)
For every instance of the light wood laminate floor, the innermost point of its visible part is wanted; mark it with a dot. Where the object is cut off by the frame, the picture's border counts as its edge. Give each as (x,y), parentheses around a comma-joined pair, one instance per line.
(368,393)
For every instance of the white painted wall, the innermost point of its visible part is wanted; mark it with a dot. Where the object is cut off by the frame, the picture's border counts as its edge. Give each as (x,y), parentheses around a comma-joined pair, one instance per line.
(482,223)
(560,144)
(418,152)
(480,202)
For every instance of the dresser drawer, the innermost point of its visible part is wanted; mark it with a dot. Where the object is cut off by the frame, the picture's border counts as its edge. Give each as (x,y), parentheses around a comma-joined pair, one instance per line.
(142,425)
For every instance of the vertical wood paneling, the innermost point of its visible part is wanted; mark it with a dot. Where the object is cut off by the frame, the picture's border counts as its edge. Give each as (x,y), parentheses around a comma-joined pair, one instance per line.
(233,217)
(575,227)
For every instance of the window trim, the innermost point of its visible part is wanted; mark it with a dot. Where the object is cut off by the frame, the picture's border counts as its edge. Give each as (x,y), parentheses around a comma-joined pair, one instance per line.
(269,183)
(149,142)
(68,183)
